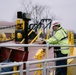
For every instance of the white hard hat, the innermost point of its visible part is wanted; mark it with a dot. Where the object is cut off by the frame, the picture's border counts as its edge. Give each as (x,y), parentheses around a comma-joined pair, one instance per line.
(55,23)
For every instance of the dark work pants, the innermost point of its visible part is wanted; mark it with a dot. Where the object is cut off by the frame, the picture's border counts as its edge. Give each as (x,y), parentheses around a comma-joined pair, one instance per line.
(62,70)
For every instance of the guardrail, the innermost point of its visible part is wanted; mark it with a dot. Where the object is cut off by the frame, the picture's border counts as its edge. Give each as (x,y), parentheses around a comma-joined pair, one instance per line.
(28,63)
(6,65)
(44,63)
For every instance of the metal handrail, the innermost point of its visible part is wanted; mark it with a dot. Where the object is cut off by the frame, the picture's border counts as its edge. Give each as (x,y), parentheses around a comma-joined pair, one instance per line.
(28,63)
(34,45)
(39,61)
(20,64)
(48,60)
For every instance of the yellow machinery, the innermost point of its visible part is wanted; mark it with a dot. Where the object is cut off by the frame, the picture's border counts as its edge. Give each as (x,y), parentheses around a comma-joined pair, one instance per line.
(3,37)
(19,32)
(38,56)
(19,24)
(19,35)
(71,70)
(0,37)
(71,41)
(12,35)
(39,32)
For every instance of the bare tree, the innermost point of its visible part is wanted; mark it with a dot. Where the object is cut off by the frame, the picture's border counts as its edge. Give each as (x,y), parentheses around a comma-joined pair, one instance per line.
(37,11)
(27,5)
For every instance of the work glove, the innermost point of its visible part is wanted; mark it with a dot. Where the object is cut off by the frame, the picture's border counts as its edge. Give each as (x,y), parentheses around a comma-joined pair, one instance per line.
(42,42)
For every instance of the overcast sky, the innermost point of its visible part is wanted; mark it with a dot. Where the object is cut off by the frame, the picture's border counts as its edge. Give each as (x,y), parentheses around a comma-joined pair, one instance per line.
(64,9)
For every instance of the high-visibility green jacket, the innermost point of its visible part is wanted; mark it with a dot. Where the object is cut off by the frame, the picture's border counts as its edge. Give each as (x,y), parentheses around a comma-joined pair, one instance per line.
(60,37)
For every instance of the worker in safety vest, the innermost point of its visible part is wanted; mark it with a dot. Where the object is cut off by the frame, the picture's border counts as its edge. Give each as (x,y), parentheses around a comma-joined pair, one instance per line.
(59,37)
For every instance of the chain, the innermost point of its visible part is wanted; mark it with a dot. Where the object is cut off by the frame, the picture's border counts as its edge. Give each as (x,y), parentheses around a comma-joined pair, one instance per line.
(10,26)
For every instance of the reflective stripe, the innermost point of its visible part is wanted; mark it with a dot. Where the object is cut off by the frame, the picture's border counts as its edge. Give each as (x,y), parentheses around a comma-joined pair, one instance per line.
(61,49)
(55,38)
(64,49)
(63,33)
(64,38)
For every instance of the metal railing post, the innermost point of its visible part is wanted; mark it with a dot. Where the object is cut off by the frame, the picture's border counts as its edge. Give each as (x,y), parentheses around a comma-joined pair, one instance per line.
(44,68)
(27,68)
(47,47)
(47,57)
(53,72)
(0,69)
(72,43)
(21,69)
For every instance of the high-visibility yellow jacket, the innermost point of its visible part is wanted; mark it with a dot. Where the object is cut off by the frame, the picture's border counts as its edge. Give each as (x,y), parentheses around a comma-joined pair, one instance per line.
(60,37)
